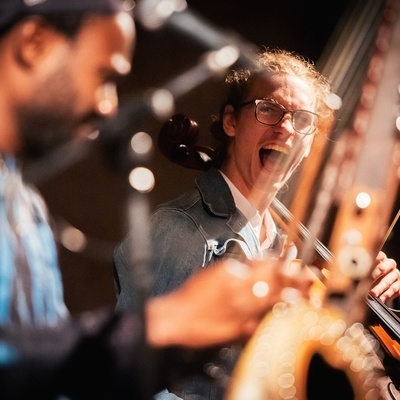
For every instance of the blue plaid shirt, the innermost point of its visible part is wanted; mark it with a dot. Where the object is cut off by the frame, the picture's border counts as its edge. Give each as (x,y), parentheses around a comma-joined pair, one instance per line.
(31,289)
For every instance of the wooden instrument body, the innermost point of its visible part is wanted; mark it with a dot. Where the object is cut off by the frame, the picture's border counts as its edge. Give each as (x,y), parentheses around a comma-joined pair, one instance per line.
(279,361)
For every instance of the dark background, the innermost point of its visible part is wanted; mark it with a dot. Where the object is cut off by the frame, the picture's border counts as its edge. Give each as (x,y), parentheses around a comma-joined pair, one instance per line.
(92,193)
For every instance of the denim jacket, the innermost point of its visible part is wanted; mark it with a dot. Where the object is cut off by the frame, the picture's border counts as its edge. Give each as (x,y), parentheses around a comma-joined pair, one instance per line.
(188,233)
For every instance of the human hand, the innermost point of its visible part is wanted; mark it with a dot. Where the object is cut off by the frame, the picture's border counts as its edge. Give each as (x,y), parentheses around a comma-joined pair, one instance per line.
(386,278)
(223,303)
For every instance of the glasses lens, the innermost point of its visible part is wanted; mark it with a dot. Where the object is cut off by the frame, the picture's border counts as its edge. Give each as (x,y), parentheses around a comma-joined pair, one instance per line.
(304,121)
(268,113)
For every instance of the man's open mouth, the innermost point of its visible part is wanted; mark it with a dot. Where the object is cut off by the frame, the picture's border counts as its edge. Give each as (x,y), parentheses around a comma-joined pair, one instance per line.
(275,155)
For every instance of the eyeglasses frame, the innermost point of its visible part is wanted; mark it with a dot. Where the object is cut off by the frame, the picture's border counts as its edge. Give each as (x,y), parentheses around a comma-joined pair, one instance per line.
(285,111)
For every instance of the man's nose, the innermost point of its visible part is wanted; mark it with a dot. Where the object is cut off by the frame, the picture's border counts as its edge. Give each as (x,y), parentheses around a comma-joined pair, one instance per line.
(287,123)
(107,99)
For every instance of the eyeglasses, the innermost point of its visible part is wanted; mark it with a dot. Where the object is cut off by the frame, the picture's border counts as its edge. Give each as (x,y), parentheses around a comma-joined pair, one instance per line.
(268,112)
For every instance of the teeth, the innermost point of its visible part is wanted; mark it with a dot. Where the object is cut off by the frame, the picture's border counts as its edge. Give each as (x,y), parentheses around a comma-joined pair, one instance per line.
(275,147)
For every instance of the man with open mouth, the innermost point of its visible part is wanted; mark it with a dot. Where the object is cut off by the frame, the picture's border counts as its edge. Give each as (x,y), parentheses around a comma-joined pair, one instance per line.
(273,112)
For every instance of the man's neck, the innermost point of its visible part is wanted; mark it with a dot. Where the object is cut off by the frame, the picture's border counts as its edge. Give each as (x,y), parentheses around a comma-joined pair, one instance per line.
(260,200)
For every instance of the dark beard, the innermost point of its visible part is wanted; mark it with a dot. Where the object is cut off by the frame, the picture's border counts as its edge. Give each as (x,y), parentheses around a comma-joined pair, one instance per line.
(40,134)
(48,121)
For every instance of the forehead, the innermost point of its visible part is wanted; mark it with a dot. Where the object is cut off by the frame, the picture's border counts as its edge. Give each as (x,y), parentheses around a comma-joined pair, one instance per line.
(290,90)
(110,38)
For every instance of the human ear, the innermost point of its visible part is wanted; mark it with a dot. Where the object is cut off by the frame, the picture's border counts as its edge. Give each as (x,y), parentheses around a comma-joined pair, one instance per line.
(31,42)
(229,120)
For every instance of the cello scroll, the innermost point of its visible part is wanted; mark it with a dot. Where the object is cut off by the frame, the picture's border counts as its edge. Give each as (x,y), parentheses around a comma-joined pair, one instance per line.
(177,141)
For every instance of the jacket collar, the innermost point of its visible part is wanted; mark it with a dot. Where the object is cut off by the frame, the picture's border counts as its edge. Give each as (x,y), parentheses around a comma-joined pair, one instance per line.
(215,193)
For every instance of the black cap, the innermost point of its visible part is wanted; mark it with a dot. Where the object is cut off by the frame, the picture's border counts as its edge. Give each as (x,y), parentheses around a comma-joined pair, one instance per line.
(10,9)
